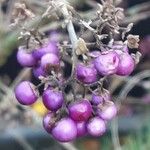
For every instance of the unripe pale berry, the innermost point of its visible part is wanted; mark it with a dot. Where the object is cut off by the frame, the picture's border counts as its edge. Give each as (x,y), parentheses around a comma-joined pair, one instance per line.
(65,130)
(107,63)
(80,110)
(86,73)
(96,126)
(52,99)
(25,58)
(25,93)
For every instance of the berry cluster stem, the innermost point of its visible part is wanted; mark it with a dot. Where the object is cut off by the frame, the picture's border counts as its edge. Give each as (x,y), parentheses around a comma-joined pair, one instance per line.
(72,35)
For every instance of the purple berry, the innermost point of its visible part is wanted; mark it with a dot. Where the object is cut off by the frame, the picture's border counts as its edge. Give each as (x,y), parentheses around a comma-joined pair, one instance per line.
(24,58)
(49,121)
(108,112)
(97,99)
(38,71)
(86,74)
(49,61)
(96,126)
(126,65)
(107,63)
(52,99)
(25,93)
(48,48)
(100,97)
(81,129)
(80,110)
(65,130)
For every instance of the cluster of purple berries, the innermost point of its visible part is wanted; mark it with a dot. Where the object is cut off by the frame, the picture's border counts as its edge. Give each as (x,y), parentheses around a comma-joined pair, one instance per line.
(82,115)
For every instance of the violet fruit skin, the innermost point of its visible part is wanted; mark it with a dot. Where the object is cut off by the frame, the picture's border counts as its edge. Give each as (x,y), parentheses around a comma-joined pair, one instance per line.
(86,73)
(25,93)
(107,63)
(96,126)
(80,110)
(126,64)
(65,130)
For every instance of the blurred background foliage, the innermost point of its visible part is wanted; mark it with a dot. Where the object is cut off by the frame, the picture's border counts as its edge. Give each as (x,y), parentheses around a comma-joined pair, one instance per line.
(21,126)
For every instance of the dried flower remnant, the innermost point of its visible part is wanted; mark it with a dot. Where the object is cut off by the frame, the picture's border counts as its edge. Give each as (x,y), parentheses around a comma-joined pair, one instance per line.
(81,47)
(133,41)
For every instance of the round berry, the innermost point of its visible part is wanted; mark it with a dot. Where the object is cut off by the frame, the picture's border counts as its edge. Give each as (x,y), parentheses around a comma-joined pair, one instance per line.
(107,63)
(49,121)
(25,58)
(80,110)
(25,93)
(52,99)
(96,126)
(48,48)
(81,129)
(86,73)
(65,130)
(49,61)
(38,71)
(100,97)
(107,112)
(126,64)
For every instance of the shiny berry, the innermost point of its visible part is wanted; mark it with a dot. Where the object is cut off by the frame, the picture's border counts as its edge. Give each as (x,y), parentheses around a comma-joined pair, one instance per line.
(52,99)
(108,111)
(81,129)
(86,73)
(48,48)
(107,63)
(25,93)
(25,58)
(100,97)
(126,64)
(96,126)
(80,110)
(65,130)
(38,71)
(49,61)
(49,121)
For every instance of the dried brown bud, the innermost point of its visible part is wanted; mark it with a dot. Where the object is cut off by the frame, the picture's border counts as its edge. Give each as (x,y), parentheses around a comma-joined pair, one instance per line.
(132,41)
